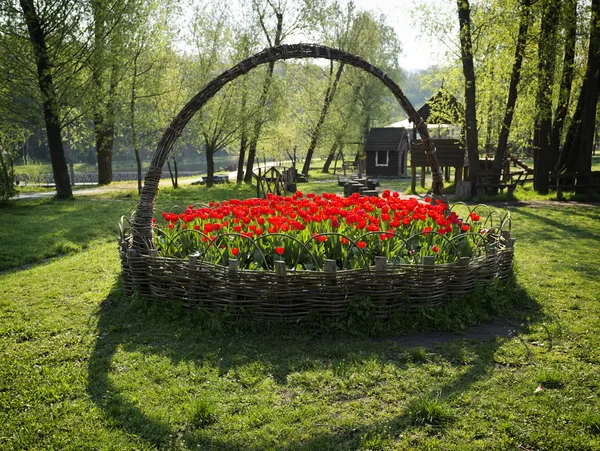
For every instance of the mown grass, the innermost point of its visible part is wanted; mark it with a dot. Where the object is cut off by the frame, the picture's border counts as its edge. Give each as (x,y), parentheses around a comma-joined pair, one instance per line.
(83,367)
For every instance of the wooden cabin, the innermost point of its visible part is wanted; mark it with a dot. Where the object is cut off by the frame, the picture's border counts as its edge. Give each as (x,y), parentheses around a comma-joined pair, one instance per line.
(387,150)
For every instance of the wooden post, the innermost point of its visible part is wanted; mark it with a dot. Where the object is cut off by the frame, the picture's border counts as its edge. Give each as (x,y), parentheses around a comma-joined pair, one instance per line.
(330,266)
(413,178)
(258,184)
(429,260)
(330,285)
(381,304)
(280,268)
(423,174)
(458,174)
(191,291)
(380,264)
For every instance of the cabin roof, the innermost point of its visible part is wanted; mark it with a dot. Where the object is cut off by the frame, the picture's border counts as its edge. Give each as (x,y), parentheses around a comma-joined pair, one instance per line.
(385,139)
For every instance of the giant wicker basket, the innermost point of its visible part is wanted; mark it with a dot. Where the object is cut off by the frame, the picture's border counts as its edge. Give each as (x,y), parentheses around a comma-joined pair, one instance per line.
(291,295)
(287,295)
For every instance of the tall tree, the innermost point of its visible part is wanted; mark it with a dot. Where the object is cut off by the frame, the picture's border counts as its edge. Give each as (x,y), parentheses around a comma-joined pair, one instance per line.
(278,19)
(576,155)
(361,33)
(107,65)
(329,96)
(155,77)
(569,22)
(466,47)
(38,31)
(258,122)
(542,154)
(501,150)
(220,123)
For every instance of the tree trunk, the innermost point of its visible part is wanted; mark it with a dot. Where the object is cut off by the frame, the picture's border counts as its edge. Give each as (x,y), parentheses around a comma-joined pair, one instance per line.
(576,155)
(134,141)
(464,19)
(330,158)
(105,133)
(104,116)
(138,163)
(569,153)
(49,102)
(171,173)
(570,19)
(258,125)
(104,144)
(242,157)
(543,123)
(329,95)
(515,77)
(176,172)
(210,166)
(588,120)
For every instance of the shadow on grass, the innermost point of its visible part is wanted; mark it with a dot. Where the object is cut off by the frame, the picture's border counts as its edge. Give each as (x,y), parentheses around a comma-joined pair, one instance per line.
(43,228)
(157,331)
(569,224)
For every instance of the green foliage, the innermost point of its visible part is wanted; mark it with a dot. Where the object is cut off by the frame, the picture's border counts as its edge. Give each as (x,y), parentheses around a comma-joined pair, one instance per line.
(428,410)
(418,354)
(202,412)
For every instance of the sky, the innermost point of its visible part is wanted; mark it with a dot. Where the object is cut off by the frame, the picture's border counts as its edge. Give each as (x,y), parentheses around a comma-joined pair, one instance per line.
(418,51)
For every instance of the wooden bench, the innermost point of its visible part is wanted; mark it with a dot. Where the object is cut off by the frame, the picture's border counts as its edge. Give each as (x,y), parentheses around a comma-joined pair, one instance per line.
(342,182)
(486,185)
(369,192)
(575,181)
(372,183)
(218,179)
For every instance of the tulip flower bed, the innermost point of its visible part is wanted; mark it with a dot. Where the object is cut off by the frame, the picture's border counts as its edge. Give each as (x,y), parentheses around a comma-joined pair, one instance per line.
(278,256)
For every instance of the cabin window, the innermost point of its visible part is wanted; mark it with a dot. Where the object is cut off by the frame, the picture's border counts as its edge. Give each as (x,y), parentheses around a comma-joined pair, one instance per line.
(382,158)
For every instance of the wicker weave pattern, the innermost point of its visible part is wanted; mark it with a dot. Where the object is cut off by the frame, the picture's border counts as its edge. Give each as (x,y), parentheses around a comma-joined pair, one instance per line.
(297,294)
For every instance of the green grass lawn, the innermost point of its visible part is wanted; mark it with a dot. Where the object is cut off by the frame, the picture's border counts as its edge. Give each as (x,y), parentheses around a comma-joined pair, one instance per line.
(83,367)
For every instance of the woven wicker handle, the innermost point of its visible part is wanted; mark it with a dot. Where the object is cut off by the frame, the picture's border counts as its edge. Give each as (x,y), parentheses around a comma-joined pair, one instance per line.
(141,228)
